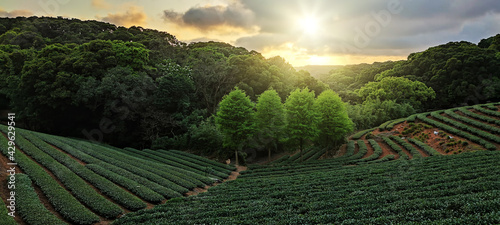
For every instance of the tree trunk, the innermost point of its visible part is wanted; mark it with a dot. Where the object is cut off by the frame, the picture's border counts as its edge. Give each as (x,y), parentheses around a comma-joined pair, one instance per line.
(300,145)
(269,155)
(236,155)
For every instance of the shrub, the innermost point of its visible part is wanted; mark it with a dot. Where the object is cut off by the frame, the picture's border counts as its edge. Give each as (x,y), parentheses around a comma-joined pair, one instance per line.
(67,205)
(29,206)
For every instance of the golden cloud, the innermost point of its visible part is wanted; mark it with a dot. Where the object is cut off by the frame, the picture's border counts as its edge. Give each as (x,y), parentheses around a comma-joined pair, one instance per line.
(133,16)
(15,13)
(101,4)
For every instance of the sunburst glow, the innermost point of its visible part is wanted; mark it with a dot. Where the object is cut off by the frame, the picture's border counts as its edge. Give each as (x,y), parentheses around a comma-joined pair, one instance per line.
(309,25)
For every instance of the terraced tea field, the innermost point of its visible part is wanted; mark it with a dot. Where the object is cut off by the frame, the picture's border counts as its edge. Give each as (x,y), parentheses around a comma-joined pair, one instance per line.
(457,189)
(85,183)
(443,132)
(432,168)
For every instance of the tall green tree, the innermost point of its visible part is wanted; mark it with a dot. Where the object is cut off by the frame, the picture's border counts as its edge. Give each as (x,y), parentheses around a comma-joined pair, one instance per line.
(235,119)
(270,119)
(334,123)
(302,120)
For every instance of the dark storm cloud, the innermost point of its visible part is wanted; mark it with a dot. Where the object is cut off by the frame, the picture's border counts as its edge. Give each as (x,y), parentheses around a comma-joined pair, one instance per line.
(234,15)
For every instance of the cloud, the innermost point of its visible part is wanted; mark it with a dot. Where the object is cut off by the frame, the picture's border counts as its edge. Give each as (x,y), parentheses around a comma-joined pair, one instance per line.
(207,17)
(15,13)
(101,4)
(391,28)
(370,28)
(133,16)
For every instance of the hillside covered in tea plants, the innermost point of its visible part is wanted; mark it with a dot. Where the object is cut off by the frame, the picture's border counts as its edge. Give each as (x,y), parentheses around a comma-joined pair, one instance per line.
(62,180)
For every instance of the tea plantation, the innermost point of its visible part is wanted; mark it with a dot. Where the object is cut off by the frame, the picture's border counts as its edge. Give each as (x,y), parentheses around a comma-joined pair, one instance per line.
(458,189)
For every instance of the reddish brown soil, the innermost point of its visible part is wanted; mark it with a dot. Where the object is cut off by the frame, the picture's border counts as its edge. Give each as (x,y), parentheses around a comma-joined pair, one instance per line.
(386,150)
(483,114)
(233,176)
(435,141)
(369,149)
(356,148)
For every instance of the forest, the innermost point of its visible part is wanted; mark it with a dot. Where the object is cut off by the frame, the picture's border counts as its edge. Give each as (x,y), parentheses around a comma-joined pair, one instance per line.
(143,88)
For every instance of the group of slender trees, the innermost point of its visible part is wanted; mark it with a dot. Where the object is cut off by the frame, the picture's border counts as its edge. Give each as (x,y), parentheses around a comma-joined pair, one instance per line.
(269,123)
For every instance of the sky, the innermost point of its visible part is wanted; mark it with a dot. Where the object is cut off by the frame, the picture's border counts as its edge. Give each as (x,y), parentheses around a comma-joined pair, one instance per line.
(303,32)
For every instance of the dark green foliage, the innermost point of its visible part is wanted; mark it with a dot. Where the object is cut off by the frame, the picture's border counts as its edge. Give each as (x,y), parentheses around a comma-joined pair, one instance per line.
(464,127)
(486,111)
(205,160)
(384,159)
(130,164)
(316,154)
(396,148)
(345,79)
(459,72)
(413,151)
(431,151)
(205,137)
(281,159)
(479,117)
(127,86)
(431,191)
(28,205)
(334,123)
(67,205)
(270,120)
(393,123)
(138,189)
(374,112)
(140,178)
(208,163)
(106,187)
(361,151)
(398,89)
(298,157)
(236,120)
(456,131)
(71,181)
(5,219)
(360,134)
(377,151)
(350,148)
(475,123)
(302,119)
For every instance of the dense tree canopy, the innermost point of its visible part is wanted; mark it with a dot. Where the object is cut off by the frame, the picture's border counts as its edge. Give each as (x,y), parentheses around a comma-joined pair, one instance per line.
(142,88)
(459,72)
(67,76)
(334,123)
(236,120)
(302,119)
(398,89)
(270,120)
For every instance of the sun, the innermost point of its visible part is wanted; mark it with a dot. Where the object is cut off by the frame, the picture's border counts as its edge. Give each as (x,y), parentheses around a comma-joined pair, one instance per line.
(309,25)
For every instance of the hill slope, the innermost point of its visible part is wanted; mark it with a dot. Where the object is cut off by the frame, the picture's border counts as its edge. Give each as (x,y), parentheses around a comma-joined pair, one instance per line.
(432,190)
(421,186)
(442,132)
(84,183)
